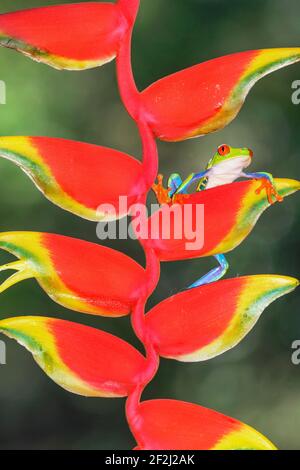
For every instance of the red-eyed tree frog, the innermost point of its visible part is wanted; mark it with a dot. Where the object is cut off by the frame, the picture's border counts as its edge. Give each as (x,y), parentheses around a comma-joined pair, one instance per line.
(227,165)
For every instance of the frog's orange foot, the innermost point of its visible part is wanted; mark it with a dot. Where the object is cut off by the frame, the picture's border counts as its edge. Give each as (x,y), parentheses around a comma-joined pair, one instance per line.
(161,193)
(270,190)
(180,198)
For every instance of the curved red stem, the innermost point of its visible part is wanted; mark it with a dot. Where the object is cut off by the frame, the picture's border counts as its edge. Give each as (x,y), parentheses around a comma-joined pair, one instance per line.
(129,8)
(127,86)
(131,96)
(140,329)
(131,99)
(150,153)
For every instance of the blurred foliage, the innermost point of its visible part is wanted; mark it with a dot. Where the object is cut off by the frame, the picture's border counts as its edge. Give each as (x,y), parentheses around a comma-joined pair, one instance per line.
(256,382)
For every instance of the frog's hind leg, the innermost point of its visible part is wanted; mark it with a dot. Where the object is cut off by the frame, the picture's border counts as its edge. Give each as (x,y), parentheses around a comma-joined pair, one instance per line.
(174,182)
(213,275)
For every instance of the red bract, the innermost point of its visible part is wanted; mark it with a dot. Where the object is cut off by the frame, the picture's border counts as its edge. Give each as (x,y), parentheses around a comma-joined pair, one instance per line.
(81,359)
(69,269)
(79,177)
(204,322)
(208,96)
(177,425)
(73,36)
(230,213)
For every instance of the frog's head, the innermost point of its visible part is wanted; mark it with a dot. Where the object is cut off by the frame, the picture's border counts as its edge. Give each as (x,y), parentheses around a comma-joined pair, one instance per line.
(239,156)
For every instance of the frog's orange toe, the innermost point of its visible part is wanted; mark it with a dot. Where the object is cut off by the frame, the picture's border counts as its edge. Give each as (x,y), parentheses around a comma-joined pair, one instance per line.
(160,179)
(270,190)
(161,193)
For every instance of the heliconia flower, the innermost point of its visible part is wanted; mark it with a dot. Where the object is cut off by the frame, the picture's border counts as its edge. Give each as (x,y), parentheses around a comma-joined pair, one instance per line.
(202,323)
(77,176)
(73,36)
(230,213)
(178,425)
(79,358)
(77,274)
(206,97)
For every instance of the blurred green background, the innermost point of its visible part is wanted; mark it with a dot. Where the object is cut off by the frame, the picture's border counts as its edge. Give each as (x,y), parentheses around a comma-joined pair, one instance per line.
(256,382)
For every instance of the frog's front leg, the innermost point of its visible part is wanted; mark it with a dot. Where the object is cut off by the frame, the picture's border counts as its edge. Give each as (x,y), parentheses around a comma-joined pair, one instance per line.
(174,182)
(213,275)
(170,194)
(182,189)
(267,184)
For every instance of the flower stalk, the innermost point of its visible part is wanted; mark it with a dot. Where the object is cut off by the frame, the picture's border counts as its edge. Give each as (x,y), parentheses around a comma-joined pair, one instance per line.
(131,99)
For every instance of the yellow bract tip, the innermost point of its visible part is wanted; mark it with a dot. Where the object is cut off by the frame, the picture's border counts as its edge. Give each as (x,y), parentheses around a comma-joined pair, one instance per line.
(286,187)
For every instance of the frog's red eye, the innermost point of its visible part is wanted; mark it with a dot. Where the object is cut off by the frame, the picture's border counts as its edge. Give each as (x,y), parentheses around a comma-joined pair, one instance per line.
(223,150)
